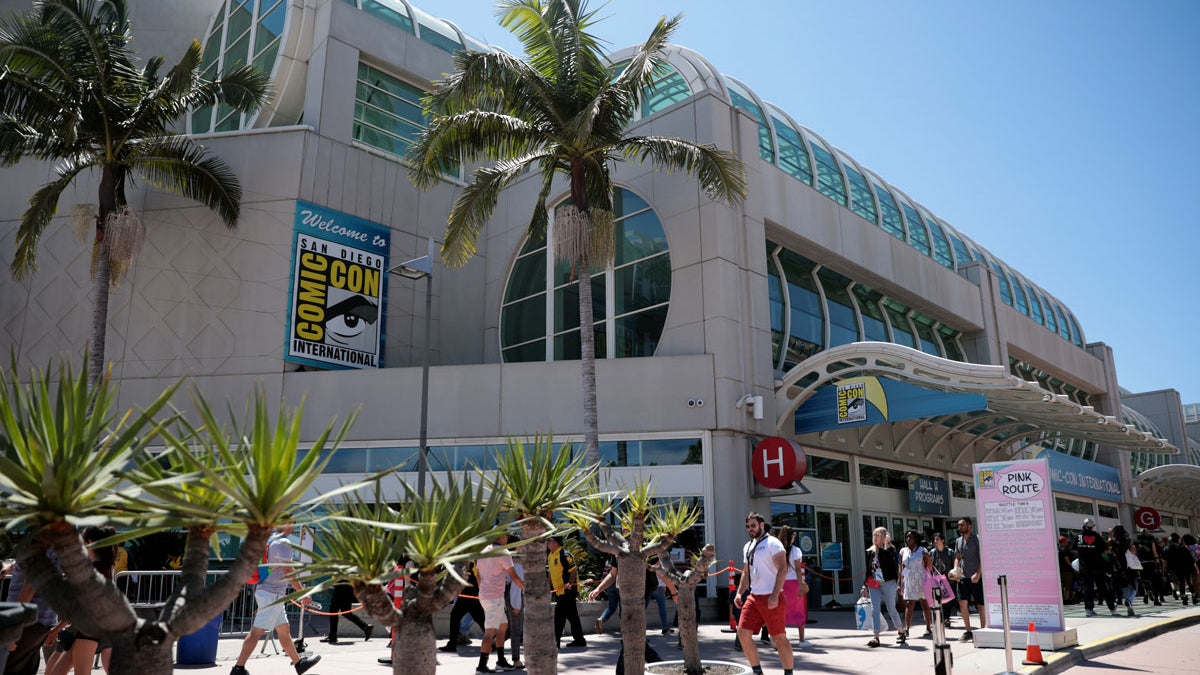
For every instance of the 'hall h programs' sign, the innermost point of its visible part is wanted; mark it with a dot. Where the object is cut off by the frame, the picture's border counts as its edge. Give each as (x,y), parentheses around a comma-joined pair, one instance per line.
(1018,538)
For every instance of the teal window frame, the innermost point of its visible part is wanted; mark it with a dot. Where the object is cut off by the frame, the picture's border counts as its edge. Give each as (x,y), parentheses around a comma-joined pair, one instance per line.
(862,201)
(766,148)
(918,235)
(1035,306)
(941,247)
(793,156)
(889,214)
(829,175)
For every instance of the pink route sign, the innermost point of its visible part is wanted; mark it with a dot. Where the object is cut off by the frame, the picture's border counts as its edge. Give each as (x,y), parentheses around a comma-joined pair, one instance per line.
(1018,538)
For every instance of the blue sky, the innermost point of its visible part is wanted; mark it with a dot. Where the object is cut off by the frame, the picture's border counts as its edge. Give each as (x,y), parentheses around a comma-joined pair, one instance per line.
(1062,135)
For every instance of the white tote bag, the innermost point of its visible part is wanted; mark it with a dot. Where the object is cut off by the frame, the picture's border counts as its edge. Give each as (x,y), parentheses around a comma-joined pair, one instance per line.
(1131,561)
(864,615)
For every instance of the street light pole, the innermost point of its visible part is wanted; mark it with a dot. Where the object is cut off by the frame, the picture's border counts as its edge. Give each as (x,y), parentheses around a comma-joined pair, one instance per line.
(416,269)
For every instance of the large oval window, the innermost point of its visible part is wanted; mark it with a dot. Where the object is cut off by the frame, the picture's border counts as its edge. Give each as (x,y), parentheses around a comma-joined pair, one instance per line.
(539,320)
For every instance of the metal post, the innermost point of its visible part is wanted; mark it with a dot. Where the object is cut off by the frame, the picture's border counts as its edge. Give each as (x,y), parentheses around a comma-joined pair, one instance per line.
(423,462)
(1008,658)
(943,658)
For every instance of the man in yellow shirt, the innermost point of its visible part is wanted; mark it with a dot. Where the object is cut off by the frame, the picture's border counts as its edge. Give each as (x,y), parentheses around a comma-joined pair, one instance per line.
(563,581)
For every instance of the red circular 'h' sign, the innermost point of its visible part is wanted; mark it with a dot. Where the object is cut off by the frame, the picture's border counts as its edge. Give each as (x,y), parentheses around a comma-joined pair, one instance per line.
(1147,517)
(778,462)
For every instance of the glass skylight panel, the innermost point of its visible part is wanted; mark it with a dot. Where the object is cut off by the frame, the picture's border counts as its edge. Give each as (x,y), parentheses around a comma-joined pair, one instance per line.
(918,236)
(890,218)
(436,32)
(668,88)
(741,99)
(390,11)
(793,158)
(941,247)
(1035,305)
(829,176)
(861,200)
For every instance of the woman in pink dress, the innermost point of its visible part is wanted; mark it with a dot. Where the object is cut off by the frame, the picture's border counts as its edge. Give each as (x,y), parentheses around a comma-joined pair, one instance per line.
(793,591)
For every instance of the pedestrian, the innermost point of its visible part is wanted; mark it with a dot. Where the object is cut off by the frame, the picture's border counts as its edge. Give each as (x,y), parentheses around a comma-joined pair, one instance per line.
(514,602)
(1181,566)
(269,594)
(883,572)
(395,588)
(564,580)
(79,649)
(340,602)
(24,656)
(970,584)
(608,583)
(795,589)
(912,562)
(1091,547)
(760,594)
(466,603)
(494,572)
(1151,559)
(942,561)
(1066,573)
(1125,575)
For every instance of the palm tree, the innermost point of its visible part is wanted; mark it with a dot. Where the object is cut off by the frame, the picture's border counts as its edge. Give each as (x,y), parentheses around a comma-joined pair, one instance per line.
(70,93)
(435,534)
(645,530)
(564,112)
(534,481)
(63,460)
(685,601)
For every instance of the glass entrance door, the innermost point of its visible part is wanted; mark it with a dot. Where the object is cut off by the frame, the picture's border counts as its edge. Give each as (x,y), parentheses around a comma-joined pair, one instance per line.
(833,527)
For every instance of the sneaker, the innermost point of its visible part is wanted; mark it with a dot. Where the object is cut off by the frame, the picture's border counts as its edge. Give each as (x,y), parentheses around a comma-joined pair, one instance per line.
(1089,612)
(483,669)
(967,637)
(464,639)
(385,660)
(517,665)
(239,670)
(577,643)
(448,648)
(1114,611)
(927,635)
(804,644)
(599,627)
(503,664)
(304,664)
(331,639)
(368,633)
(667,631)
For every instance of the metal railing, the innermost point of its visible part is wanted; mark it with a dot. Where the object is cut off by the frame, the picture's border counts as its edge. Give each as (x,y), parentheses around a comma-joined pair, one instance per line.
(149,591)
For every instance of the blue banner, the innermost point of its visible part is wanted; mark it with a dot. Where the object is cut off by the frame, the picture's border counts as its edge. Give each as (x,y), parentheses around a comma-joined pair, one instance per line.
(831,557)
(859,401)
(338,289)
(1077,476)
(927,494)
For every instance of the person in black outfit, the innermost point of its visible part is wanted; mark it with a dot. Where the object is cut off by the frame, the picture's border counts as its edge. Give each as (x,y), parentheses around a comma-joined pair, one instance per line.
(462,607)
(1181,566)
(341,601)
(1148,554)
(565,608)
(1092,567)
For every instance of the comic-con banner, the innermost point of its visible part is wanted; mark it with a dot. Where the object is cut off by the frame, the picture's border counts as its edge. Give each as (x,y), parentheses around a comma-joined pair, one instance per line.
(339,288)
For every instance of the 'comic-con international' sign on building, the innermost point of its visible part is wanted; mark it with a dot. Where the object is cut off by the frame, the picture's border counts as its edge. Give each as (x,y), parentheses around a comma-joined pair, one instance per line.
(339,287)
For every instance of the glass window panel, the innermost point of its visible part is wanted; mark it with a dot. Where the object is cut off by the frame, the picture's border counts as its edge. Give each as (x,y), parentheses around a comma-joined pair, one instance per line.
(793,158)
(901,333)
(950,342)
(861,200)
(1051,321)
(228,117)
(202,120)
(642,284)
(889,215)
(236,55)
(387,13)
(960,250)
(1076,333)
(941,247)
(918,237)
(240,18)
(742,100)
(532,245)
(874,325)
(266,60)
(638,334)
(874,476)
(345,460)
(775,289)
(829,176)
(270,27)
(826,468)
(376,98)
(669,451)
(566,304)
(626,203)
(523,321)
(528,277)
(639,236)
(383,459)
(1064,328)
(1107,511)
(1005,289)
(666,91)
(212,49)
(843,325)
(1019,294)
(1035,305)
(568,348)
(533,351)
(437,33)
(929,341)
(807,335)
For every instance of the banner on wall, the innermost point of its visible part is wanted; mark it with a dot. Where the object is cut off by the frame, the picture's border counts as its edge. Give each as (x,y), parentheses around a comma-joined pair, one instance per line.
(1078,476)
(338,289)
(1018,538)
(858,401)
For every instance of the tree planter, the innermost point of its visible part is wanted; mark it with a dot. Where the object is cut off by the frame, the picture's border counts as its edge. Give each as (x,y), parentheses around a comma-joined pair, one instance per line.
(710,668)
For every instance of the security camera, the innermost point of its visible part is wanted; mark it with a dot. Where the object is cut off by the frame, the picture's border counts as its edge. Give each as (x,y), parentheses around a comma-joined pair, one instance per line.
(699,403)
(691,403)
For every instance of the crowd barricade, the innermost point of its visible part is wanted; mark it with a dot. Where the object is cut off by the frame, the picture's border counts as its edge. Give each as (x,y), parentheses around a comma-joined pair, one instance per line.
(149,591)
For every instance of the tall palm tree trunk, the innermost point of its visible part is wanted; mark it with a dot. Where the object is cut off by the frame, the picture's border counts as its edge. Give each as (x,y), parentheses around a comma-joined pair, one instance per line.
(587,337)
(132,655)
(541,653)
(100,279)
(414,652)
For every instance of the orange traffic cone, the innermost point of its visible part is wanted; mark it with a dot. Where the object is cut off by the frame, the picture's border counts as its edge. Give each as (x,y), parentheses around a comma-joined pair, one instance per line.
(1033,649)
(732,593)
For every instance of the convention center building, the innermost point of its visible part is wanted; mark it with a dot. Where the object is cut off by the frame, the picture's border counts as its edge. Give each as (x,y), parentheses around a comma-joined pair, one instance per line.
(832,317)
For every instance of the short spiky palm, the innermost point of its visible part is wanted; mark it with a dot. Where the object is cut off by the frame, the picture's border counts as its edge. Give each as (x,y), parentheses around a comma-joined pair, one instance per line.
(564,112)
(71,93)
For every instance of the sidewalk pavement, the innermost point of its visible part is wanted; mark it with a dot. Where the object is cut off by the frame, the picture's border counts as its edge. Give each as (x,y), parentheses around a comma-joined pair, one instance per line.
(837,648)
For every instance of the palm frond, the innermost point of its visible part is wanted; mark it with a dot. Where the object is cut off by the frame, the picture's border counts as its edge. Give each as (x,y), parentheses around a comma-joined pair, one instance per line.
(42,207)
(647,63)
(475,205)
(535,478)
(468,138)
(178,165)
(721,174)
(498,82)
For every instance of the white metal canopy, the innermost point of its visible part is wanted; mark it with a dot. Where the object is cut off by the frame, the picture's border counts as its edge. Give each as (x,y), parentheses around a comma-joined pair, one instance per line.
(1172,486)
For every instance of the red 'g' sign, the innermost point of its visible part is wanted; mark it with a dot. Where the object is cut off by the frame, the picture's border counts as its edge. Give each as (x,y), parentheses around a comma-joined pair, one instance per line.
(778,462)
(1147,517)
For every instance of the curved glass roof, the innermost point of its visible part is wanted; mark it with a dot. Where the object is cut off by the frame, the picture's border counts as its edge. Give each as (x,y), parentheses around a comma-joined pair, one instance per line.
(807,157)
(438,32)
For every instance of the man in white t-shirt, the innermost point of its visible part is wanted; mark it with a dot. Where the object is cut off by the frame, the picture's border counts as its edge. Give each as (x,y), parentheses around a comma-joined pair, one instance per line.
(493,572)
(758,594)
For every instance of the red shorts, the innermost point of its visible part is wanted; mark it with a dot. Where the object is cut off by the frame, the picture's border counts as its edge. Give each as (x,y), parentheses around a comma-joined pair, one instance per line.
(755,614)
